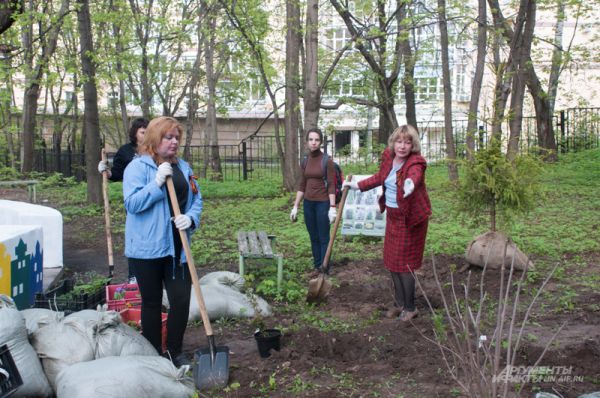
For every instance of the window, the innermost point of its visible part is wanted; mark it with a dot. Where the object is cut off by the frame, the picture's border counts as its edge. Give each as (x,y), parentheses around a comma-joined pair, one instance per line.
(336,38)
(346,88)
(428,88)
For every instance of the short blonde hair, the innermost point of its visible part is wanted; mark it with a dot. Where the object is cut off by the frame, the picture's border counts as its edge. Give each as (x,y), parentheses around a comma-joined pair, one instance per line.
(408,131)
(156,130)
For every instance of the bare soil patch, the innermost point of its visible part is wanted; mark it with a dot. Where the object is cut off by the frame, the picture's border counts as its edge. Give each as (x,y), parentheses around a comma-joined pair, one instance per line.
(383,357)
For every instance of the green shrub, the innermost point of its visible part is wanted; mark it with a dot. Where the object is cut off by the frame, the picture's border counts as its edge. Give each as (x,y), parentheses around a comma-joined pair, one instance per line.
(494,188)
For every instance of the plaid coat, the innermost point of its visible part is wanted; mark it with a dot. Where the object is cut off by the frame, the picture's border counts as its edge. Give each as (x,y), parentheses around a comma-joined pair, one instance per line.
(406,226)
(417,207)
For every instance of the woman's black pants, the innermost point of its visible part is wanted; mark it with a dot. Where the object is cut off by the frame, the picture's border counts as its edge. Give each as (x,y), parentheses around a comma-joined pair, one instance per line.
(151,275)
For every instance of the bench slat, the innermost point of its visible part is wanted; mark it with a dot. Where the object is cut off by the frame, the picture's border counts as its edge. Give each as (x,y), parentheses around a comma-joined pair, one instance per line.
(265,243)
(243,243)
(253,244)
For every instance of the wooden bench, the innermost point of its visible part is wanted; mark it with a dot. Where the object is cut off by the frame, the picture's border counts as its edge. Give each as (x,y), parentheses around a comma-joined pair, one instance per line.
(31,187)
(253,244)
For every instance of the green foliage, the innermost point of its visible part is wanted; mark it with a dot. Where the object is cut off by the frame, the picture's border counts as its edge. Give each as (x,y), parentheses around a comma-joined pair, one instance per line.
(9,174)
(266,187)
(493,186)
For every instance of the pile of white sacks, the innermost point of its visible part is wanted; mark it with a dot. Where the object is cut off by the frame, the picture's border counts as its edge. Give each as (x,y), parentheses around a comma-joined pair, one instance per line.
(91,353)
(86,354)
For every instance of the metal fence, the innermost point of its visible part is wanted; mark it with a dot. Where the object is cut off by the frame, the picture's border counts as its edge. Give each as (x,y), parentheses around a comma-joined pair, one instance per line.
(257,156)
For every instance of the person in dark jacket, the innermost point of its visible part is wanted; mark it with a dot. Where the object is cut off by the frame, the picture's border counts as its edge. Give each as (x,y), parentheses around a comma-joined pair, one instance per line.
(123,157)
(402,177)
(127,152)
(152,239)
(319,199)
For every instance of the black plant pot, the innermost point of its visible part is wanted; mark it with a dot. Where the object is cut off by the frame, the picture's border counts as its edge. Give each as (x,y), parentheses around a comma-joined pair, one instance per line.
(266,340)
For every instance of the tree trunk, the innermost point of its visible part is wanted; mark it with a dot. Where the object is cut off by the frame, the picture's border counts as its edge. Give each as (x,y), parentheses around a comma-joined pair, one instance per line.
(540,98)
(557,55)
(211,108)
(90,99)
(30,99)
(501,90)
(32,86)
(408,80)
(450,145)
(384,65)
(293,42)
(477,78)
(520,51)
(311,68)
(119,69)
(8,11)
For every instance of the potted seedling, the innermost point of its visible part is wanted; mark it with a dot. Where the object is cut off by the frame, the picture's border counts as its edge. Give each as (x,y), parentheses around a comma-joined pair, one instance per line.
(266,338)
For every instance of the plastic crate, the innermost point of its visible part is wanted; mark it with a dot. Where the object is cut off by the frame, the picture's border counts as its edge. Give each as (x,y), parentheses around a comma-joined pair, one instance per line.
(135,315)
(10,379)
(130,296)
(53,299)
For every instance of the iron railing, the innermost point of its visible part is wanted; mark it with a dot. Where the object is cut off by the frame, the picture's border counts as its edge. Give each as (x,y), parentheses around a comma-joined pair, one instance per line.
(257,156)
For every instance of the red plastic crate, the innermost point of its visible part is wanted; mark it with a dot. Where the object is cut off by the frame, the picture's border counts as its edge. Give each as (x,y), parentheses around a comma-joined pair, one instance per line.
(131,296)
(135,315)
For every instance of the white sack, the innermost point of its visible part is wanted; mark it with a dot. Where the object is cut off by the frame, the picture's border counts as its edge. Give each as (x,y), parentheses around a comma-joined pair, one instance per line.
(133,376)
(109,335)
(36,318)
(222,301)
(14,334)
(60,345)
(227,278)
(122,340)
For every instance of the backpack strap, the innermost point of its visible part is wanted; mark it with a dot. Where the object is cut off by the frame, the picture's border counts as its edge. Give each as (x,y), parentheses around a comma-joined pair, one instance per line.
(304,161)
(325,160)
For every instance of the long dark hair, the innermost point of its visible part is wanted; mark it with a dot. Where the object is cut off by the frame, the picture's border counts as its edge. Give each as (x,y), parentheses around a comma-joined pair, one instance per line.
(314,130)
(136,124)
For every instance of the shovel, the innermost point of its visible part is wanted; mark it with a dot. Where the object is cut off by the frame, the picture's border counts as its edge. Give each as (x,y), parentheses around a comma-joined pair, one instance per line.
(111,263)
(319,287)
(212,367)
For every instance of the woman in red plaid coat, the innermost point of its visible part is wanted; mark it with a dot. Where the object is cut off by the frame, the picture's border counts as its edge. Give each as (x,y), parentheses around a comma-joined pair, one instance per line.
(402,177)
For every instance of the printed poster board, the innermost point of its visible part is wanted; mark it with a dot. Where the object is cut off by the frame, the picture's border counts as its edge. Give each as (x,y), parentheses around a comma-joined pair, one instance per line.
(361,212)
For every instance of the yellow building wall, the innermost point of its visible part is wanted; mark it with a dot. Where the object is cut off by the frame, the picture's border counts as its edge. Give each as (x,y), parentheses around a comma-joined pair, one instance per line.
(4,271)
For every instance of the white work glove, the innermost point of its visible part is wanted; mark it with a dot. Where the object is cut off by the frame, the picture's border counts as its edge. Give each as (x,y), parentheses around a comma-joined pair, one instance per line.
(164,170)
(350,184)
(182,221)
(332,214)
(103,166)
(409,187)
(294,214)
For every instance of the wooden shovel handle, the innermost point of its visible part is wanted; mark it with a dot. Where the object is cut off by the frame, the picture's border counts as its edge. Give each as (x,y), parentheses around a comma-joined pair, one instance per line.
(109,245)
(340,211)
(190,260)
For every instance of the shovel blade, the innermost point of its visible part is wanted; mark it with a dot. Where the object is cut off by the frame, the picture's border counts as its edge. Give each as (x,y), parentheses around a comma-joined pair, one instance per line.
(208,372)
(318,289)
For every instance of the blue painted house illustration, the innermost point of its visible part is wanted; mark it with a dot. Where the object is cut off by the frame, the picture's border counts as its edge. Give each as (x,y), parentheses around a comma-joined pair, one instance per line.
(20,276)
(36,275)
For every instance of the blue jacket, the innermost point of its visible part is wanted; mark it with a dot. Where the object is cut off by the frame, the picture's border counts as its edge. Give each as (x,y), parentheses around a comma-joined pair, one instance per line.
(148,232)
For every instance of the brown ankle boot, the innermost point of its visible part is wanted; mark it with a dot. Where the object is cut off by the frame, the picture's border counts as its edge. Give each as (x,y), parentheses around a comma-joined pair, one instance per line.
(393,312)
(408,315)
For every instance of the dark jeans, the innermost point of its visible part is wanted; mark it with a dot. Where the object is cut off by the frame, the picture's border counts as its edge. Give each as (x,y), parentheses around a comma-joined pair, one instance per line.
(317,223)
(404,290)
(151,275)
(131,267)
